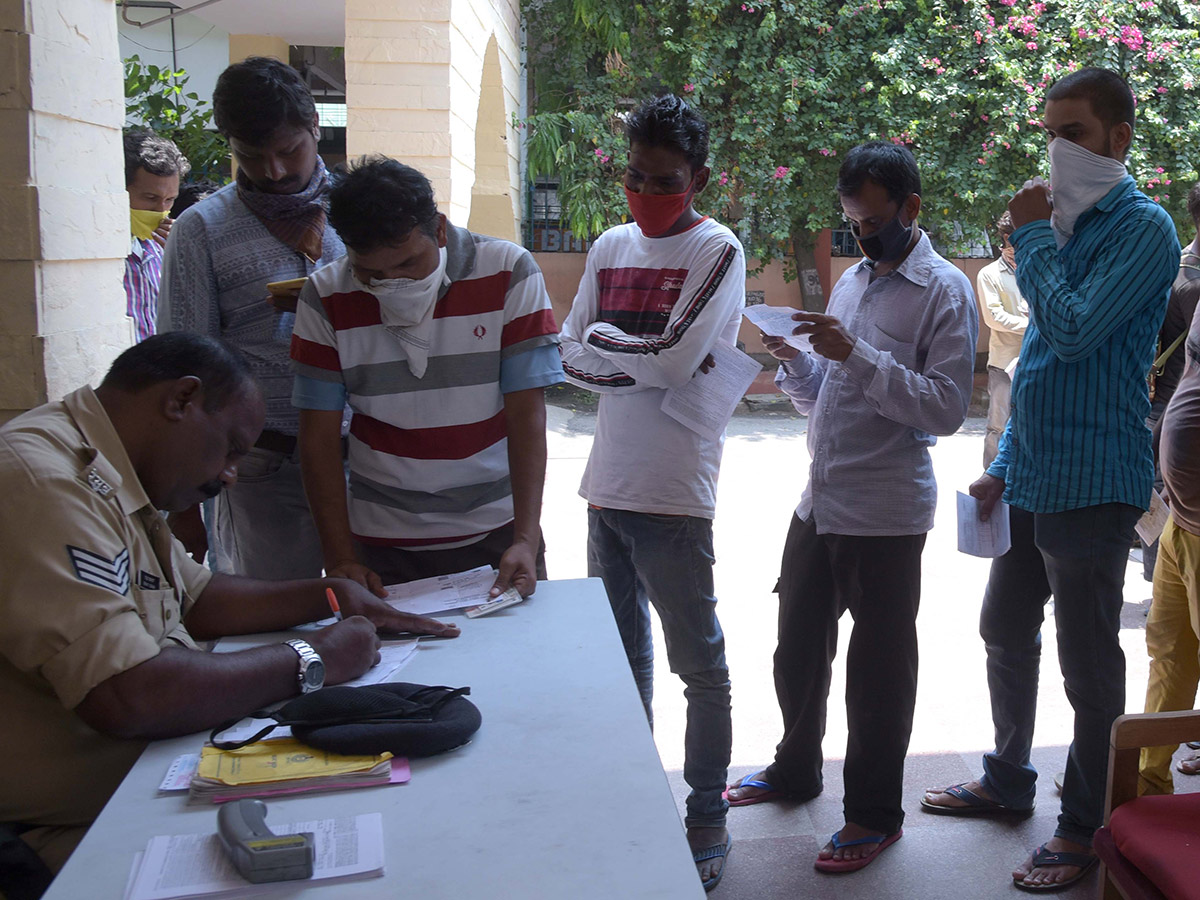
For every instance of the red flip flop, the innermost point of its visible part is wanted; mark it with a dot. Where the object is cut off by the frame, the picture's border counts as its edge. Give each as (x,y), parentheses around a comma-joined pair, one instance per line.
(842,866)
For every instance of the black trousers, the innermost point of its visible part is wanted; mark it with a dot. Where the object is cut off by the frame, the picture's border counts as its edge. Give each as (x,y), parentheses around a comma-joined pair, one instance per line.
(878,579)
(395,565)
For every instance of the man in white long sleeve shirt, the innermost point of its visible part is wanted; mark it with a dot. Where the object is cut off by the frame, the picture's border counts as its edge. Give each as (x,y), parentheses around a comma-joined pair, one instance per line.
(891,367)
(656,297)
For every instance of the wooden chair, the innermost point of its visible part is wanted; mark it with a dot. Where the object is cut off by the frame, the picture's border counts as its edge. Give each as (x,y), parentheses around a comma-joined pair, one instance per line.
(1120,879)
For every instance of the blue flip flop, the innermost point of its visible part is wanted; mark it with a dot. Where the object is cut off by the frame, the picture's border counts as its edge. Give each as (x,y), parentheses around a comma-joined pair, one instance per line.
(1044,857)
(717,851)
(754,781)
(840,866)
(977,805)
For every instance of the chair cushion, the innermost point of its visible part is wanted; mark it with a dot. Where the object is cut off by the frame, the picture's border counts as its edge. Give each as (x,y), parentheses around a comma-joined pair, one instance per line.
(1161,836)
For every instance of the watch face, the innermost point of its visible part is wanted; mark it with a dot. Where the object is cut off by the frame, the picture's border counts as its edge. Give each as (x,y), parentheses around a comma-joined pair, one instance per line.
(314,674)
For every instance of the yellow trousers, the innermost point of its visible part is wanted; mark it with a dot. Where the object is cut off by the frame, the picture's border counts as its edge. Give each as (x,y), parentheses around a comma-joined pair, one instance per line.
(1171,640)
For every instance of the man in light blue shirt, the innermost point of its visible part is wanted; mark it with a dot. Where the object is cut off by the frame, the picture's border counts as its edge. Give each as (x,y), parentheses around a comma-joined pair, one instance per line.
(1075,462)
(891,368)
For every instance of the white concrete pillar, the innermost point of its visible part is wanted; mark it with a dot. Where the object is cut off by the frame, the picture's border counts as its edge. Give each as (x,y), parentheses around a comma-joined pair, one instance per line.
(64,220)
(414,78)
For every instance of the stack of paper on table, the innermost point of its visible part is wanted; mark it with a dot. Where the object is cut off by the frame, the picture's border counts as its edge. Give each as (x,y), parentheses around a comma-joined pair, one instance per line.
(283,766)
(195,865)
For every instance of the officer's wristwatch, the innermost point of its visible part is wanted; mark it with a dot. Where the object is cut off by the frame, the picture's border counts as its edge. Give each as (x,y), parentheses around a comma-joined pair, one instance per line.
(311,675)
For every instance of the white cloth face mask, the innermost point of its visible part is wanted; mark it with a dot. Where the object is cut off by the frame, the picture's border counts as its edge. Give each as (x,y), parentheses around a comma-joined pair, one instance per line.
(1079,179)
(405,302)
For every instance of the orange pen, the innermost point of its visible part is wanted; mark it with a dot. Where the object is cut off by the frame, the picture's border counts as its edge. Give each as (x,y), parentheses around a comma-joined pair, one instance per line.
(333,604)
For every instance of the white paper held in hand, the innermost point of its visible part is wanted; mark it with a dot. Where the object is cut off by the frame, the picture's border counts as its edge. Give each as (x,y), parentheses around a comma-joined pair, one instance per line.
(778,322)
(442,593)
(706,403)
(978,538)
(1153,520)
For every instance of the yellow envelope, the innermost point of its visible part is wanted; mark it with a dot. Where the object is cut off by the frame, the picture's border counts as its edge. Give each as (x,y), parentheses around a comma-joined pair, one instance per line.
(281,760)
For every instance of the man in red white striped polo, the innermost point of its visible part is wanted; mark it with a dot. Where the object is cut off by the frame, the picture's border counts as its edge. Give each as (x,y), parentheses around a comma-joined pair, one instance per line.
(443,342)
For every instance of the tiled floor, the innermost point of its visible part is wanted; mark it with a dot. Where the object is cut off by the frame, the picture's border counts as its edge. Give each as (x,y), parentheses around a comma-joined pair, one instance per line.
(940,858)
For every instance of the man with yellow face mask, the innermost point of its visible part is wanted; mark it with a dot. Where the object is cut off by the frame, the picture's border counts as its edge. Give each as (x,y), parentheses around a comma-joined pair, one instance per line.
(153,167)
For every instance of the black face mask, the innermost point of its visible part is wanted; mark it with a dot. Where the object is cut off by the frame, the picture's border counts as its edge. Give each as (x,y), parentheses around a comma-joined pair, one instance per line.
(886,243)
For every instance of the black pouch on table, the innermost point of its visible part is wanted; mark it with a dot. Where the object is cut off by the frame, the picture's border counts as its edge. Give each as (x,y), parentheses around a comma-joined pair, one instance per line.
(404,719)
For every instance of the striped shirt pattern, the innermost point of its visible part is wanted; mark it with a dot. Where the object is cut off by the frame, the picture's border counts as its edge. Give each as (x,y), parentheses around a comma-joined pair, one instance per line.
(647,313)
(429,456)
(219,259)
(1077,436)
(143,272)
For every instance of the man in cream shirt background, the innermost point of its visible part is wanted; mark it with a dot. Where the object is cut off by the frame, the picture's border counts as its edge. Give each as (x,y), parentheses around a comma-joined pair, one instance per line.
(1006,315)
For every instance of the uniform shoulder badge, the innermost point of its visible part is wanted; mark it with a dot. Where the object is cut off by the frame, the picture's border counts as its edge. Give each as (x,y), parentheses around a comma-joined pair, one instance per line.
(100,571)
(98,484)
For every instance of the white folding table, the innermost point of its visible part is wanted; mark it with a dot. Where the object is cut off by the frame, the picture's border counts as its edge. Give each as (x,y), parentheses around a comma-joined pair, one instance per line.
(561,793)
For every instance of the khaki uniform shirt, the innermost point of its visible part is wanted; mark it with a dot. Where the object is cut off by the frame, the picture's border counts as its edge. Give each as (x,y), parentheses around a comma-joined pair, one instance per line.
(1004,311)
(91,584)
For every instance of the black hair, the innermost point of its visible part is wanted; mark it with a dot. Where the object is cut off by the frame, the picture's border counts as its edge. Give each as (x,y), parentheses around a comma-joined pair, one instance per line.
(192,193)
(257,96)
(1106,92)
(1193,203)
(1004,224)
(377,202)
(223,372)
(668,121)
(157,155)
(891,166)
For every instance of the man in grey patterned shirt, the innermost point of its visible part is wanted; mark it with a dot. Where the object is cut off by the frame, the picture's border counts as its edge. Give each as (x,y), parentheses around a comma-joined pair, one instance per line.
(891,366)
(268,226)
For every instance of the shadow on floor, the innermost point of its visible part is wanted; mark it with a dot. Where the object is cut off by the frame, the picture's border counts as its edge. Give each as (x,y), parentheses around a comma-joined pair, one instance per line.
(939,857)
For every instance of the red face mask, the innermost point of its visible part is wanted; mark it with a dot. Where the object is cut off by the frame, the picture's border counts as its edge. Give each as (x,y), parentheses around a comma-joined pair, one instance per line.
(656,213)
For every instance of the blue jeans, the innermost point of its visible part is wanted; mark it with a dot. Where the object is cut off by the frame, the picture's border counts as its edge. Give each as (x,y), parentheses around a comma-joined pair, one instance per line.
(667,561)
(1079,556)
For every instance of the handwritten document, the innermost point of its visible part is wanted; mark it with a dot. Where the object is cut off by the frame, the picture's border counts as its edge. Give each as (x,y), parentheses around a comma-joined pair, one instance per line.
(706,403)
(1153,520)
(987,539)
(778,321)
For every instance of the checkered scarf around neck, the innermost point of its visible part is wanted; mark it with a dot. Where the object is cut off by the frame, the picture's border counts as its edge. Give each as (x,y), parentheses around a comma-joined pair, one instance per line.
(296,219)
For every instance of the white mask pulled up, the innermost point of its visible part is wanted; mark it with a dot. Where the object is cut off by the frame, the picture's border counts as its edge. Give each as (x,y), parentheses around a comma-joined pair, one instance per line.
(1079,179)
(406,309)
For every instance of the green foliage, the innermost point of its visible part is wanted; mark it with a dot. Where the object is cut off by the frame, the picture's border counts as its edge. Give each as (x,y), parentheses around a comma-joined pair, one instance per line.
(788,86)
(155,99)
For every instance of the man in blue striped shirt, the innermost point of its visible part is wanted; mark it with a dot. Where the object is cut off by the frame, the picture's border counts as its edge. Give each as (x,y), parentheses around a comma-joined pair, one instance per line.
(1074,463)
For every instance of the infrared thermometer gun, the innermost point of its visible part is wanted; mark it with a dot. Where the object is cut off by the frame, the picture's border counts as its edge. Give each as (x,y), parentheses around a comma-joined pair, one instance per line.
(257,854)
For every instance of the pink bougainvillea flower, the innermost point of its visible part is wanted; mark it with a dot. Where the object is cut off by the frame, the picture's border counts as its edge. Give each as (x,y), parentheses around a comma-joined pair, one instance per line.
(781,171)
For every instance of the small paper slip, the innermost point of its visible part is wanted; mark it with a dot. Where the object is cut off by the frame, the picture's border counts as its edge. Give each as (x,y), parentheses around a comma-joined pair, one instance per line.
(195,865)
(179,775)
(511,597)
(778,321)
(706,403)
(1153,520)
(987,539)
(442,593)
(393,656)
